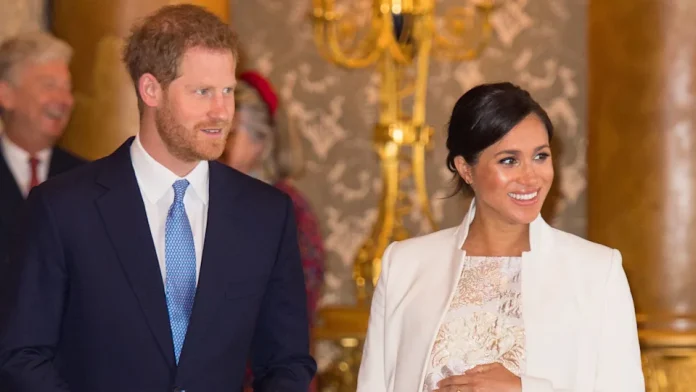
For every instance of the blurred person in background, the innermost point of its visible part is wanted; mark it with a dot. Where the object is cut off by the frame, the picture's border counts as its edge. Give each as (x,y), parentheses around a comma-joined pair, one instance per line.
(264,145)
(35,105)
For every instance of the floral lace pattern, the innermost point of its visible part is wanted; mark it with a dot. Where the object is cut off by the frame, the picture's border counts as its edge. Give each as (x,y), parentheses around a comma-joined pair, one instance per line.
(483,323)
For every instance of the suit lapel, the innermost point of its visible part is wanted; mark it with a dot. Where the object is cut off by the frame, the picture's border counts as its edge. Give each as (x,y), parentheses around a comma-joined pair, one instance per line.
(10,194)
(223,245)
(125,219)
(7,181)
(57,164)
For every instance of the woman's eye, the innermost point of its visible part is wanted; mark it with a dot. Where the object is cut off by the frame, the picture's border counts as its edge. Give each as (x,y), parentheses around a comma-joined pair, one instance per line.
(507,161)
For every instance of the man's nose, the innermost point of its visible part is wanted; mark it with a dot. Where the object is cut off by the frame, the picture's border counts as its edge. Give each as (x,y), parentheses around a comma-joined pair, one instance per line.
(218,110)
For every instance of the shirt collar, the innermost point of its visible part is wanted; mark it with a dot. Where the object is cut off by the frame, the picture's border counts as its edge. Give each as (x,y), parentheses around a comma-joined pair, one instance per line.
(156,179)
(15,152)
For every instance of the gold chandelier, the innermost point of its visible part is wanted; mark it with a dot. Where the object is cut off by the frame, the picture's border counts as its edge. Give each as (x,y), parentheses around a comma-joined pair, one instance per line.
(399,41)
(401,37)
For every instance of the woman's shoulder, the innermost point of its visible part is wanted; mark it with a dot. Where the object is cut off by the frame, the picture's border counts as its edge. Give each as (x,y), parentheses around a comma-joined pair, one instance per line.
(584,255)
(420,255)
(427,249)
(579,244)
(427,242)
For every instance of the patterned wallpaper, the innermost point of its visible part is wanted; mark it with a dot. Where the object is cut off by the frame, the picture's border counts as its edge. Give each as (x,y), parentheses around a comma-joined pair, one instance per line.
(539,45)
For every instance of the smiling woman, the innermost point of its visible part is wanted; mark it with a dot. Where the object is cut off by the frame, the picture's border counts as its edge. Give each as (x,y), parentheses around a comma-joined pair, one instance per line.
(503,302)
(498,145)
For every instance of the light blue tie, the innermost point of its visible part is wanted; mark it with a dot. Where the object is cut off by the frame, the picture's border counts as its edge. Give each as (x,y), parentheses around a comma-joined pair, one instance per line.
(180,259)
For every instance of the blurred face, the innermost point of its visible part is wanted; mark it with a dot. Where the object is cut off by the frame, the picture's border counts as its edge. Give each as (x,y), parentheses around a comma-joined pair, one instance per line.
(512,177)
(245,149)
(195,116)
(38,101)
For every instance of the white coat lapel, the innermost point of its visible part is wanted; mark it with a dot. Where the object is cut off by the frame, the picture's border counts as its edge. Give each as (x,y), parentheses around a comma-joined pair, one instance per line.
(441,290)
(537,295)
(549,310)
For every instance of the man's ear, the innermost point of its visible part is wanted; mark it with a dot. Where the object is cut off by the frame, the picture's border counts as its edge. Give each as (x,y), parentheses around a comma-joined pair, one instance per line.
(150,90)
(7,96)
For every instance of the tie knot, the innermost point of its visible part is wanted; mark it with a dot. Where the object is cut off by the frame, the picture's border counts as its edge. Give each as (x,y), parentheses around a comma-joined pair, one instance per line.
(34,162)
(179,190)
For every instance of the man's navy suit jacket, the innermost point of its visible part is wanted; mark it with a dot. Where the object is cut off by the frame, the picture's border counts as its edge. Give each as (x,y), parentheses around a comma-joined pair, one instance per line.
(89,312)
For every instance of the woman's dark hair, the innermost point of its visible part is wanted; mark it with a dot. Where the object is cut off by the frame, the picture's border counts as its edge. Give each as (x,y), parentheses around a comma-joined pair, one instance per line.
(483,116)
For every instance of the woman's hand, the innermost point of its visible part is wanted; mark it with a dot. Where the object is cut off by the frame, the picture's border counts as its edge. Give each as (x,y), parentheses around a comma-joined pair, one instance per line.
(492,377)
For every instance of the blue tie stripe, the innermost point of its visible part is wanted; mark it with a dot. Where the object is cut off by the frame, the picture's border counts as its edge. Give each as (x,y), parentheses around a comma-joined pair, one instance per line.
(180,260)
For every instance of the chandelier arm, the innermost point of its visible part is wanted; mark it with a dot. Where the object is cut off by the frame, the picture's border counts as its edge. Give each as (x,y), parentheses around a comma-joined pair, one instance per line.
(318,32)
(419,179)
(408,88)
(326,23)
(423,31)
(390,173)
(445,48)
(330,41)
(400,53)
(397,50)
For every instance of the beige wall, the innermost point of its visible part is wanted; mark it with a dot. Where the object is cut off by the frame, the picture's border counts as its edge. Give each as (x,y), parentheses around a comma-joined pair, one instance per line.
(20,15)
(540,45)
(643,148)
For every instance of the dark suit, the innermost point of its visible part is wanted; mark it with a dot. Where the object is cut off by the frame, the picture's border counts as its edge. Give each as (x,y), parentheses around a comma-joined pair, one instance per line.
(92,313)
(11,203)
(11,198)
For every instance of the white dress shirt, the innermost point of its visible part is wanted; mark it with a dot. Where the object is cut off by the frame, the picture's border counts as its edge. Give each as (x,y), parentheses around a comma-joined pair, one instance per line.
(18,161)
(155,182)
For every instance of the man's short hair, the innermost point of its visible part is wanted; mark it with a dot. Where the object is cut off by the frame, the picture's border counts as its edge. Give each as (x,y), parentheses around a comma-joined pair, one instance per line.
(32,47)
(157,45)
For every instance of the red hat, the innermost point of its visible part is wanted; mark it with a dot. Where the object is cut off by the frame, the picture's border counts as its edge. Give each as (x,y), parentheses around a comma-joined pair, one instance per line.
(263,86)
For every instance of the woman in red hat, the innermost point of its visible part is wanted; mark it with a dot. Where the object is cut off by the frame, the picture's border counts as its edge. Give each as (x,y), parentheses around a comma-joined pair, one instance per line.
(260,147)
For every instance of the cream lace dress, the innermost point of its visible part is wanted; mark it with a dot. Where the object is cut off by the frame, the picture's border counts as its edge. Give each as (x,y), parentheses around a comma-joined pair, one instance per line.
(483,323)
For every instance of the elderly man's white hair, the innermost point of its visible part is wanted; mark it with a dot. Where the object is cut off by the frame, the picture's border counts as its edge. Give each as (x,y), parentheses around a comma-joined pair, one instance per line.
(30,48)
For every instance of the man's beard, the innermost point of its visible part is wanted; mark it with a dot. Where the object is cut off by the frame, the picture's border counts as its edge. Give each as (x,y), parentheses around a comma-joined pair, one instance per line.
(190,145)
